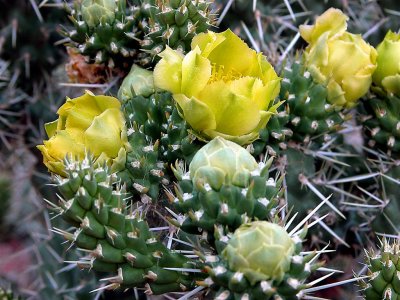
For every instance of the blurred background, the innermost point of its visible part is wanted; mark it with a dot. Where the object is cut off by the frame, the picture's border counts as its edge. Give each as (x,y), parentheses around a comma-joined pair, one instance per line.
(39,68)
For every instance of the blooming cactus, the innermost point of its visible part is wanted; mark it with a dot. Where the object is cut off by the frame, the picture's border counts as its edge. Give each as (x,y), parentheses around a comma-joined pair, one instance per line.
(222,161)
(387,74)
(222,87)
(260,250)
(95,12)
(88,123)
(339,59)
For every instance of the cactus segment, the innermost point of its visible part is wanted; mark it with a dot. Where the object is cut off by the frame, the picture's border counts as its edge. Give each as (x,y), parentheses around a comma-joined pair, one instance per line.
(173,24)
(383,282)
(380,119)
(237,275)
(216,206)
(112,40)
(116,237)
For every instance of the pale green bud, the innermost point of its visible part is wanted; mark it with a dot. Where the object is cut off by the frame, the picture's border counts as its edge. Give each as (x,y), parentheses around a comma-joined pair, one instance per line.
(138,82)
(222,161)
(260,250)
(95,12)
(387,74)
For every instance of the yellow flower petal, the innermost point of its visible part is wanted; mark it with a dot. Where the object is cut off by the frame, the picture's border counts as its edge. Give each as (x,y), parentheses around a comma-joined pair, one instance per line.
(223,88)
(213,96)
(61,144)
(239,117)
(168,71)
(196,113)
(333,21)
(207,42)
(51,128)
(196,71)
(388,61)
(336,94)
(104,133)
(79,112)
(88,123)
(392,84)
(233,54)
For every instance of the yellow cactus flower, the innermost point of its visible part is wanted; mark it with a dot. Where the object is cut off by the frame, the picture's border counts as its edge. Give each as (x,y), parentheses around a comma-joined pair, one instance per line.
(88,123)
(222,87)
(387,74)
(341,60)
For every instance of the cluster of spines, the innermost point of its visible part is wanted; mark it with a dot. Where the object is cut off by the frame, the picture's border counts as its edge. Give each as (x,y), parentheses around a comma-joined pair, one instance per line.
(383,278)
(304,116)
(381,121)
(107,43)
(230,285)
(158,136)
(177,142)
(117,239)
(173,23)
(217,213)
(310,114)
(145,119)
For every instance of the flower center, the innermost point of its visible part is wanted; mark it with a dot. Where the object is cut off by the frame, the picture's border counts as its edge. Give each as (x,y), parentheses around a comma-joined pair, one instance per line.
(219,73)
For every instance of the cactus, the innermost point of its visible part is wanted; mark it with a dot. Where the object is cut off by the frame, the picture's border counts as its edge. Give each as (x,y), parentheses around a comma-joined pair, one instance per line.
(306,117)
(378,116)
(223,189)
(173,23)
(116,237)
(135,32)
(105,31)
(156,132)
(261,261)
(383,281)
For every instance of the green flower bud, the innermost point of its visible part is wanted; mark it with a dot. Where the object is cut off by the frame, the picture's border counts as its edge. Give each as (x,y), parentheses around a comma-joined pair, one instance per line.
(387,74)
(95,12)
(260,250)
(222,161)
(138,82)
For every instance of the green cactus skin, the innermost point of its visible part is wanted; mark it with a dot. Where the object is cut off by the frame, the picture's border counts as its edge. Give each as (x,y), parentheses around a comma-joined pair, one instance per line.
(173,23)
(380,119)
(217,212)
(384,273)
(112,42)
(310,114)
(385,221)
(158,136)
(118,240)
(305,116)
(231,285)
